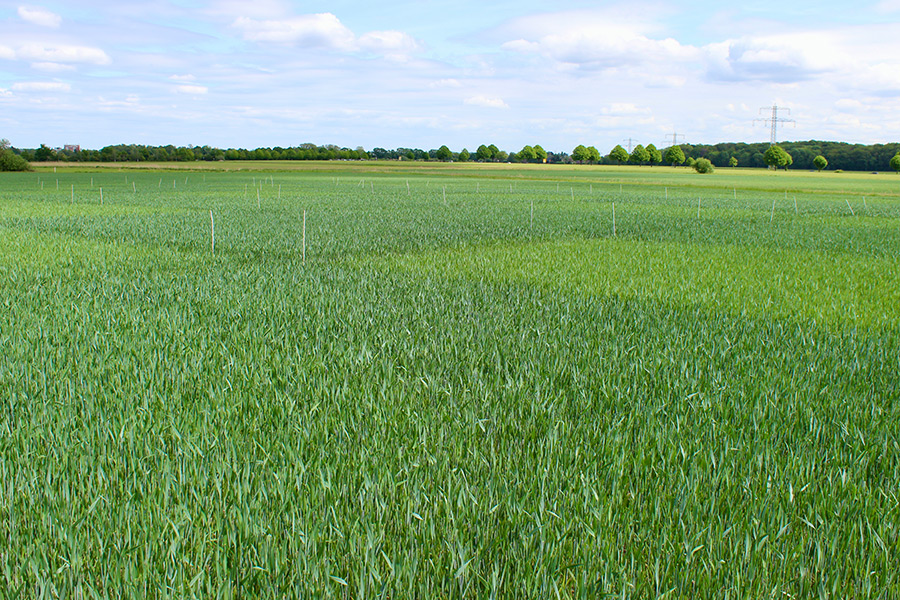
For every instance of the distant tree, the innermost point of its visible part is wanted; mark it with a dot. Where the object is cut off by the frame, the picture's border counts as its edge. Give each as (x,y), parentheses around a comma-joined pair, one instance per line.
(444,153)
(44,154)
(464,155)
(895,162)
(674,155)
(732,162)
(820,162)
(526,154)
(639,155)
(655,155)
(483,153)
(703,165)
(9,160)
(540,154)
(579,154)
(618,154)
(776,157)
(593,155)
(501,156)
(495,153)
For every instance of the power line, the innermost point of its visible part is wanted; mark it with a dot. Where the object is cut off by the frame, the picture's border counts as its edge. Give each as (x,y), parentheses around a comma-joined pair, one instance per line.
(774,120)
(630,143)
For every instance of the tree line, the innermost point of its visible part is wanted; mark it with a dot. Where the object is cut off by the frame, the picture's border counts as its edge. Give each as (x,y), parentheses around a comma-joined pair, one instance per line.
(802,155)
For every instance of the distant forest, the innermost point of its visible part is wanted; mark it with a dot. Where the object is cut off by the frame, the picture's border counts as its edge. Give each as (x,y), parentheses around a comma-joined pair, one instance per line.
(847,157)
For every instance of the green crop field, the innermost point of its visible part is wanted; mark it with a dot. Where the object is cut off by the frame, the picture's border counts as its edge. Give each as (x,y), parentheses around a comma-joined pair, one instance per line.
(424,381)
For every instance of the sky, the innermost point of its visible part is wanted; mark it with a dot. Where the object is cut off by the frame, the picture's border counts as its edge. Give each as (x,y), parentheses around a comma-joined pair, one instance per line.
(264,73)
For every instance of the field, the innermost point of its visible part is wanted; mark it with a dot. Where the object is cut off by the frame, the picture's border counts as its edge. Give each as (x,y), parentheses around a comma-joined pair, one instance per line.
(425,381)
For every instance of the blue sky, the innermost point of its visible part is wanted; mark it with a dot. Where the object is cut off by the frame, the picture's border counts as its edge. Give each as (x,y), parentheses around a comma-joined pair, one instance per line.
(232,73)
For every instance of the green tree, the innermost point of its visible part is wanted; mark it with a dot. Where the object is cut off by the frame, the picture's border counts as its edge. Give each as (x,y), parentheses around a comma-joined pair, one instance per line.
(483,153)
(703,165)
(579,154)
(674,155)
(732,162)
(464,155)
(593,155)
(540,154)
(495,152)
(619,154)
(527,154)
(820,162)
(44,154)
(895,162)
(9,160)
(776,157)
(655,155)
(444,153)
(639,155)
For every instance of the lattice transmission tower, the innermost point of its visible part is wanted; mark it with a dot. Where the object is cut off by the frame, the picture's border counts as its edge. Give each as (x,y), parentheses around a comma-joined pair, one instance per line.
(774,120)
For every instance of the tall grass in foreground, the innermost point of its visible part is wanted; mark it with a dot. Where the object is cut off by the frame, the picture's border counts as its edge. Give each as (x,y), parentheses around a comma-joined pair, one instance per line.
(446,399)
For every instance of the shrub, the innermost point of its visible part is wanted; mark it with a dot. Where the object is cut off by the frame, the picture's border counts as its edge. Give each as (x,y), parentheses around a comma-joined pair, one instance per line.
(702,165)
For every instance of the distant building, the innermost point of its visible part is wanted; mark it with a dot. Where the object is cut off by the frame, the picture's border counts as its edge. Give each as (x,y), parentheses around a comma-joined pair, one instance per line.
(72,148)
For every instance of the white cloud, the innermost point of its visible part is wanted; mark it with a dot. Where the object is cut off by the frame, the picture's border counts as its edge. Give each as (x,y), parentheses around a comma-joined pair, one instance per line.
(391,42)
(486,101)
(309,31)
(622,109)
(40,16)
(445,83)
(778,58)
(41,86)
(51,67)
(63,54)
(7,53)
(593,40)
(186,78)
(193,90)
(5,92)
(888,6)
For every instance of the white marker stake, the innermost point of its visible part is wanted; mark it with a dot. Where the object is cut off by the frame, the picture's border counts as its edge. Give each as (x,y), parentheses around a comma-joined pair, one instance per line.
(133,187)
(573,193)
(101,196)
(850,207)
(735,193)
(257,197)
(531,220)
(407,187)
(304,237)
(73,192)
(698,207)
(772,217)
(796,212)
(92,183)
(212,233)
(667,193)
(279,191)
(444,191)
(160,184)
(866,206)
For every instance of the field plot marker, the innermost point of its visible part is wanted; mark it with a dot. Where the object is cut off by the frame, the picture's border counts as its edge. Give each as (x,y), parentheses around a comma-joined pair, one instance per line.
(572,189)
(850,207)
(772,217)
(257,197)
(735,193)
(304,237)
(160,183)
(133,187)
(531,219)
(698,207)
(279,191)
(73,193)
(101,196)
(407,187)
(92,183)
(667,193)
(57,185)
(865,206)
(796,212)
(444,191)
(212,233)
